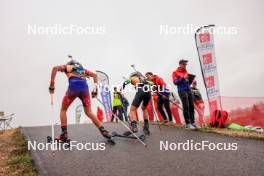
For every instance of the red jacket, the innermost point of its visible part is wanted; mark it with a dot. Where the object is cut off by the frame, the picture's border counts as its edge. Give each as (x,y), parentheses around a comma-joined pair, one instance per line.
(161,85)
(158,81)
(177,74)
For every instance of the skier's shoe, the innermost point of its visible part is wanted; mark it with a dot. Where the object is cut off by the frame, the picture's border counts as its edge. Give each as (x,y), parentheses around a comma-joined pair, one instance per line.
(169,123)
(133,127)
(164,122)
(146,128)
(63,137)
(195,126)
(189,126)
(105,133)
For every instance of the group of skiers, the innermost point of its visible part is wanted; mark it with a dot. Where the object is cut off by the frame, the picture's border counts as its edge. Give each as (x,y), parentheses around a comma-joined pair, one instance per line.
(190,97)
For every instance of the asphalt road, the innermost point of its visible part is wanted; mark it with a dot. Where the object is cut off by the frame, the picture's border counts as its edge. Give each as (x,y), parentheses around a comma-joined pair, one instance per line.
(130,157)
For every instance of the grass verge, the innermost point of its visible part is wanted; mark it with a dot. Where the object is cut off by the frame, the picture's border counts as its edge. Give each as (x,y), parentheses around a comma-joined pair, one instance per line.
(235,133)
(227,132)
(15,158)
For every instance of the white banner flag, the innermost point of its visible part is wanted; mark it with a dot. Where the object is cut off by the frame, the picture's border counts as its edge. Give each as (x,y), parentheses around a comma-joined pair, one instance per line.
(205,46)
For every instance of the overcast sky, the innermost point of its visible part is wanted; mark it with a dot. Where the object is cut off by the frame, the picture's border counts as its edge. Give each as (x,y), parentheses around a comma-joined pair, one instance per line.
(131,35)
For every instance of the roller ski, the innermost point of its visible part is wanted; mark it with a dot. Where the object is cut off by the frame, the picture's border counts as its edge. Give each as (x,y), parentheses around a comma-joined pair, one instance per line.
(128,134)
(62,139)
(106,135)
(134,129)
(141,137)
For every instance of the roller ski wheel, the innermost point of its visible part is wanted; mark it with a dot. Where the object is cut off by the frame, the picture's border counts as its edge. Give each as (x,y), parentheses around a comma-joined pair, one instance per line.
(128,135)
(111,141)
(58,140)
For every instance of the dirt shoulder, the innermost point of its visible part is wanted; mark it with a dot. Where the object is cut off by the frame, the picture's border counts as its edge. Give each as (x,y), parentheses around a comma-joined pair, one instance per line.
(14,156)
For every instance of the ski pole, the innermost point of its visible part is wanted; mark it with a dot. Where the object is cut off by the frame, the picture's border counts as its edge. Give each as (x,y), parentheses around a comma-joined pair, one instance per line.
(124,124)
(52,123)
(169,100)
(154,111)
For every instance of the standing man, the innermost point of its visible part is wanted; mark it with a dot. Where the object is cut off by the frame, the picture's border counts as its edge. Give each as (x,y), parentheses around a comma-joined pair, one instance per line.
(183,80)
(198,102)
(163,96)
(125,104)
(117,105)
(77,88)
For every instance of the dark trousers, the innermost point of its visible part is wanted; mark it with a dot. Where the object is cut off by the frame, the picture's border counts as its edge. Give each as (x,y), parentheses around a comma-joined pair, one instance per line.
(125,113)
(188,106)
(117,110)
(164,102)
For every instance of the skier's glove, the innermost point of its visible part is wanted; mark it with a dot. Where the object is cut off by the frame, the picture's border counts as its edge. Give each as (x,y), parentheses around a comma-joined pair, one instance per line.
(186,78)
(125,83)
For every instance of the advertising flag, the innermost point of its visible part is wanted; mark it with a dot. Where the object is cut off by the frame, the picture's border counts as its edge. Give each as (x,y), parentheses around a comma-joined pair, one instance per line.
(105,93)
(206,50)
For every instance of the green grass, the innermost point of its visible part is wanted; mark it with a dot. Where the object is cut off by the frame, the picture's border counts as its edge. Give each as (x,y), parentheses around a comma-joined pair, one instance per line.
(235,133)
(226,132)
(20,161)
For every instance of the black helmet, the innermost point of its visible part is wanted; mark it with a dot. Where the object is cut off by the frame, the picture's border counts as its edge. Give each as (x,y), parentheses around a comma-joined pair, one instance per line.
(75,64)
(138,74)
